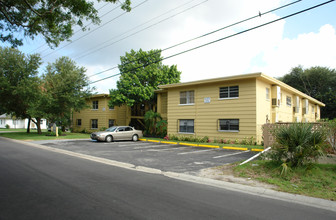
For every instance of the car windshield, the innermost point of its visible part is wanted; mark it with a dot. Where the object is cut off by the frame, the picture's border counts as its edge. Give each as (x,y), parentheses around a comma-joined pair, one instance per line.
(111,129)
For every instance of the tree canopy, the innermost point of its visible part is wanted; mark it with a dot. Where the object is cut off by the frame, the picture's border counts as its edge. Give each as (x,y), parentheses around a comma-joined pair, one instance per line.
(53,19)
(65,88)
(19,81)
(24,94)
(317,82)
(141,74)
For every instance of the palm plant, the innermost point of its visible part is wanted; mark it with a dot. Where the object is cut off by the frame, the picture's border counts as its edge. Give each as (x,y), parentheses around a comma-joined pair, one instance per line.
(151,119)
(297,144)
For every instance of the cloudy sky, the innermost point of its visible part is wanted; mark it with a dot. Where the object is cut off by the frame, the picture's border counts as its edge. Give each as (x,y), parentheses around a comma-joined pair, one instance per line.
(307,39)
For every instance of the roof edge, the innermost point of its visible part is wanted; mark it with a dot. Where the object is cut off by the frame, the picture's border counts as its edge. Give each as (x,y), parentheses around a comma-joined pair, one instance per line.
(227,78)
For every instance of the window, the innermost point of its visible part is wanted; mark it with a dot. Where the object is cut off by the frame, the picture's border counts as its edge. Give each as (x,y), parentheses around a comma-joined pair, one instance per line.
(229,124)
(111,107)
(79,122)
(41,122)
(187,97)
(128,129)
(229,92)
(267,94)
(186,126)
(289,101)
(94,123)
(94,104)
(111,123)
(313,109)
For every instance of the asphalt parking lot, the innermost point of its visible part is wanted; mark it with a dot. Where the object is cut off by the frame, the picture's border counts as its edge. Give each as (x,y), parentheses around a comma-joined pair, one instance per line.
(166,157)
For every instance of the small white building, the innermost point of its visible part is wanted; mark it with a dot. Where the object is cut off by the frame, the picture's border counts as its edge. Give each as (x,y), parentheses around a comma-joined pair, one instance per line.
(19,123)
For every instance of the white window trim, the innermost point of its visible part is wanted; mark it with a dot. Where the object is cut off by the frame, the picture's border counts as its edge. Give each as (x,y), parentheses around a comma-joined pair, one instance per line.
(188,97)
(230,131)
(268,98)
(228,98)
(233,131)
(185,132)
(228,92)
(187,104)
(181,132)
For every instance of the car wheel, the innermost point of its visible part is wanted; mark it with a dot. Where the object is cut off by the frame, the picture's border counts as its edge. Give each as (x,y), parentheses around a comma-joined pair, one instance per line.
(135,137)
(109,138)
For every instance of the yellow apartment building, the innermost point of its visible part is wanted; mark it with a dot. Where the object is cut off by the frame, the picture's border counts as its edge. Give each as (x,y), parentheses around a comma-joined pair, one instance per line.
(99,115)
(233,107)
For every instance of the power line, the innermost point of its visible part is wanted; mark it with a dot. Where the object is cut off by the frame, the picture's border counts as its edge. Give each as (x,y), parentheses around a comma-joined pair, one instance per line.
(209,33)
(220,39)
(103,47)
(93,30)
(78,29)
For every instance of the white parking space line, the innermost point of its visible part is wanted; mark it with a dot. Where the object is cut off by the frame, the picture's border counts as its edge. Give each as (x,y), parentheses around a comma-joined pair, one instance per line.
(158,150)
(227,155)
(131,145)
(151,146)
(198,151)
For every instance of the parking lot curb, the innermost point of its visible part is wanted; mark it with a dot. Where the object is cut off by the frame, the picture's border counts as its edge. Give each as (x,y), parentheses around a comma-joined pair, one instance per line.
(201,145)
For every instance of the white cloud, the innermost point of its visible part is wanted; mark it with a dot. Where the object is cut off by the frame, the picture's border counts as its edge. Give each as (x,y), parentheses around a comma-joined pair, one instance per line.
(308,49)
(262,50)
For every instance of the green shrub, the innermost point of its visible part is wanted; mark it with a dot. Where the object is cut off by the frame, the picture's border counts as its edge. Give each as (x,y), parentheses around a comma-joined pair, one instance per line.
(7,126)
(161,128)
(151,118)
(297,144)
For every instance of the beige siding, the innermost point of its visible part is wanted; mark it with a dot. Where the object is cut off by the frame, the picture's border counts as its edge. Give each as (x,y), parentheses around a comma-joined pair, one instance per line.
(103,114)
(264,107)
(206,115)
(162,106)
(281,112)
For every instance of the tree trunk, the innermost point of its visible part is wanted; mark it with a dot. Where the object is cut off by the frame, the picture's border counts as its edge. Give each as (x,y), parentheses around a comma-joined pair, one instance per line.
(38,125)
(28,125)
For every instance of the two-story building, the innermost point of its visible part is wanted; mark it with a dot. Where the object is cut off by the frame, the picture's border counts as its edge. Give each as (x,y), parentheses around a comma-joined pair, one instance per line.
(233,107)
(99,115)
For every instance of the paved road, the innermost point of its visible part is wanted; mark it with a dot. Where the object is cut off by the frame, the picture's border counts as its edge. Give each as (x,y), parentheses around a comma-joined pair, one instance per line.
(165,157)
(39,184)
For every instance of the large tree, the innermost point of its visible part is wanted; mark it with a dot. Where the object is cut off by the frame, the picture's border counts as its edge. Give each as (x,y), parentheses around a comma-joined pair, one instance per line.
(19,82)
(141,73)
(65,88)
(53,19)
(317,82)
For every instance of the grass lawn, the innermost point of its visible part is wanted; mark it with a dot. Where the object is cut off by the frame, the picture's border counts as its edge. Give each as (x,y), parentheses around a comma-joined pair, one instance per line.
(316,180)
(12,129)
(211,143)
(34,136)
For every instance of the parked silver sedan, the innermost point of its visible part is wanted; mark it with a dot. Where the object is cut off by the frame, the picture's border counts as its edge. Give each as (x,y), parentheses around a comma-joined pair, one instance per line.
(117,133)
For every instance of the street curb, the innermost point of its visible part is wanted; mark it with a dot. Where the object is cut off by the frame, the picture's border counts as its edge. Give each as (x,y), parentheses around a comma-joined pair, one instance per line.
(259,191)
(201,145)
(268,193)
